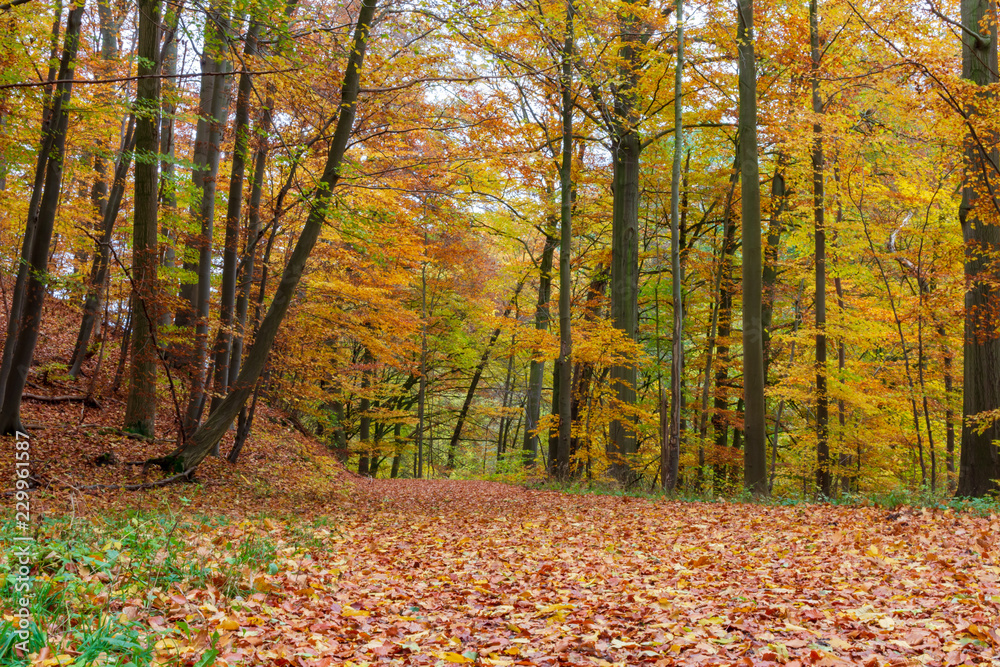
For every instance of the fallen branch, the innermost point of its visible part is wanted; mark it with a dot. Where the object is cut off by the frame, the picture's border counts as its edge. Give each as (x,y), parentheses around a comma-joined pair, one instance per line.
(173,479)
(89,401)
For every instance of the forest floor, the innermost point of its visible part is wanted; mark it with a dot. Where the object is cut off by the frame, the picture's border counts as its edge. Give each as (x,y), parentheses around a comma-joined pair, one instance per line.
(439,572)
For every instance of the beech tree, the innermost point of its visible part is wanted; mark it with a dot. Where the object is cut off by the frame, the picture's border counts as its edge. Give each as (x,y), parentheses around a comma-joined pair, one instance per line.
(979,465)
(140,409)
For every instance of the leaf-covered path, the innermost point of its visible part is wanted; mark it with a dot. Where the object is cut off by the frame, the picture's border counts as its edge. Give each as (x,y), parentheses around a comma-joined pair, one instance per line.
(439,572)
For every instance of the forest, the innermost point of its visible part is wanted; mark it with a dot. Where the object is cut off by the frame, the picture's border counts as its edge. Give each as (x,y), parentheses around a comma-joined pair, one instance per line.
(704,248)
(550,332)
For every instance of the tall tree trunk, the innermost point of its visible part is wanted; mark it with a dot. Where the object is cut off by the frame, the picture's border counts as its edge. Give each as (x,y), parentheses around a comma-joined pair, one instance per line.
(168,187)
(140,407)
(979,465)
(227,309)
(721,286)
(625,152)
(206,216)
(38,235)
(208,435)
(365,426)
(204,169)
(755,448)
(823,476)
(536,371)
(769,276)
(422,390)
(565,247)
(720,421)
(249,265)
(671,449)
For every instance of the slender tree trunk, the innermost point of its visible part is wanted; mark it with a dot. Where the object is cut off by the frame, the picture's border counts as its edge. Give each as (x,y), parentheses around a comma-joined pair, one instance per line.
(227,309)
(38,235)
(102,259)
(204,169)
(781,403)
(477,374)
(140,407)
(769,276)
(365,428)
(422,391)
(506,400)
(823,476)
(949,413)
(721,287)
(565,247)
(168,187)
(720,421)
(208,435)
(536,371)
(979,465)
(248,269)
(671,445)
(206,216)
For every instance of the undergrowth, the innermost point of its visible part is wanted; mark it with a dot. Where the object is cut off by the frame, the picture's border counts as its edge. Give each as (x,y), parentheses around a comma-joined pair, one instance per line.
(94,579)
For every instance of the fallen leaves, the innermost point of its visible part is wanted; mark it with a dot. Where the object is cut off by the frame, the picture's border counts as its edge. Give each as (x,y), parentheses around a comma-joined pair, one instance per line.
(444,572)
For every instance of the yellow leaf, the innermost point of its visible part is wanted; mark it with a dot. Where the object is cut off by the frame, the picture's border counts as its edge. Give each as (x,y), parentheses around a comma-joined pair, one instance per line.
(167,644)
(351,611)
(229,624)
(456,657)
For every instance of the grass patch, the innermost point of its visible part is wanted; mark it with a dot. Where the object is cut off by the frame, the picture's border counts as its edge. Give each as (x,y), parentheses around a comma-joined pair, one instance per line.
(98,583)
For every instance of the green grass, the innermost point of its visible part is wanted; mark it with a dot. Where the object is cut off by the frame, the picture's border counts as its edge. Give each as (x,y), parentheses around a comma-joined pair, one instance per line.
(85,572)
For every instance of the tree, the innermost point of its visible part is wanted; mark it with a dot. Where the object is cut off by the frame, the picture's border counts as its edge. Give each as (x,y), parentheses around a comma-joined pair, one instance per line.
(754,450)
(823,476)
(979,464)
(670,456)
(562,464)
(140,408)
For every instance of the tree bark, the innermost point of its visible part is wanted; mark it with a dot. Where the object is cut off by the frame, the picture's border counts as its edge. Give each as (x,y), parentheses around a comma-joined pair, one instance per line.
(625,152)
(671,446)
(562,466)
(48,137)
(979,463)
(536,371)
(227,308)
(206,217)
(823,477)
(140,407)
(102,260)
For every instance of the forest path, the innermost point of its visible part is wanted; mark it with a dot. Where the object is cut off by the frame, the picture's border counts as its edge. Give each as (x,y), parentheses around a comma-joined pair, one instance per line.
(451,572)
